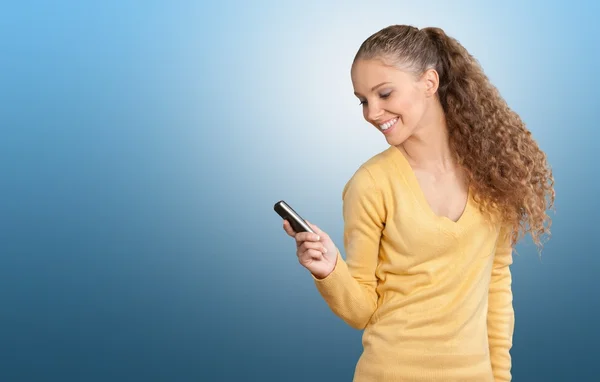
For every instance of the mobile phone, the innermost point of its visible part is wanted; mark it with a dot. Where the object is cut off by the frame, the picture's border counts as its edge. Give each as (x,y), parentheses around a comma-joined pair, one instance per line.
(287,213)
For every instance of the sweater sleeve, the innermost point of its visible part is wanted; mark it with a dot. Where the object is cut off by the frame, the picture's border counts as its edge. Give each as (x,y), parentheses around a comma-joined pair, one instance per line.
(350,289)
(500,320)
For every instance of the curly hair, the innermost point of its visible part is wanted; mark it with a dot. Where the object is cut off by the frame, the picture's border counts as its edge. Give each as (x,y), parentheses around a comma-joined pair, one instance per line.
(509,174)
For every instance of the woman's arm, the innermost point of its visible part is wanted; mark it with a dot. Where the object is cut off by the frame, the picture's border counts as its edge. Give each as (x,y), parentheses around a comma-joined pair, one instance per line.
(501,316)
(350,289)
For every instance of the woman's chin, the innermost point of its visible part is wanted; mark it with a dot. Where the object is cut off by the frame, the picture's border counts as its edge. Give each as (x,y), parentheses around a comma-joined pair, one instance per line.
(395,139)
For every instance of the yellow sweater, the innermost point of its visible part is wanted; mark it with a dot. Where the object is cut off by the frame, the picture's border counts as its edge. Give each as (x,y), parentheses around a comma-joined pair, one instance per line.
(432,295)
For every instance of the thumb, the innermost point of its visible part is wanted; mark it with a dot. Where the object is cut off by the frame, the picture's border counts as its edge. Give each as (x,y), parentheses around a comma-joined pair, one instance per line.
(317,230)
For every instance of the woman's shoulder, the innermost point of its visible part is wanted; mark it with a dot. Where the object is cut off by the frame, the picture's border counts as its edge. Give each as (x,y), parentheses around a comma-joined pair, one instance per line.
(384,158)
(376,168)
(372,173)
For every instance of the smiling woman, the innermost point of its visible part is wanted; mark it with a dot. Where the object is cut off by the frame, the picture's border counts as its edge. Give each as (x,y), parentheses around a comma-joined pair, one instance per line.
(450,113)
(430,223)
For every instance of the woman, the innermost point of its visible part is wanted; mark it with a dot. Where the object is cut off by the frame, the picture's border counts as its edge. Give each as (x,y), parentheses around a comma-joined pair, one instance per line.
(431,222)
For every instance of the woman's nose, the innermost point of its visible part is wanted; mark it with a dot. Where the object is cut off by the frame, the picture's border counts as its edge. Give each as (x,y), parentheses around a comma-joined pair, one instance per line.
(375,113)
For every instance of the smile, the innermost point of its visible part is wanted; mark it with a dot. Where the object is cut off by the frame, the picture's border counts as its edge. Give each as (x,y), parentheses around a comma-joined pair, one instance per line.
(388,124)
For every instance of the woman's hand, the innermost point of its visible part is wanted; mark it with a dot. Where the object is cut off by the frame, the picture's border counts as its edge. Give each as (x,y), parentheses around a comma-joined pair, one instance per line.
(316,252)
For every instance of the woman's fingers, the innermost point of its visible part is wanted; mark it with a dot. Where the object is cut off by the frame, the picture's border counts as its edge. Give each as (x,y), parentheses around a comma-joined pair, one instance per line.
(316,245)
(287,227)
(309,255)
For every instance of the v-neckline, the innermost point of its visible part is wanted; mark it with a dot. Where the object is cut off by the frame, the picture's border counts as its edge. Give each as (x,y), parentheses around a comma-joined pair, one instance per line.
(411,178)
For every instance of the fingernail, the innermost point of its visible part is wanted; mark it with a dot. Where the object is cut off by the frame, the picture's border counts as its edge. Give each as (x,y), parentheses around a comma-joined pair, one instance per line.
(318,237)
(325,250)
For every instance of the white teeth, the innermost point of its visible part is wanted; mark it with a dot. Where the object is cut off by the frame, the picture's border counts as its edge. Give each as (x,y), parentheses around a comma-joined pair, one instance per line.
(389,124)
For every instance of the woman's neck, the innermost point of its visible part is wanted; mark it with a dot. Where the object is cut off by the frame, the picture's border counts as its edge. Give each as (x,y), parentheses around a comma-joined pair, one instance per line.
(429,146)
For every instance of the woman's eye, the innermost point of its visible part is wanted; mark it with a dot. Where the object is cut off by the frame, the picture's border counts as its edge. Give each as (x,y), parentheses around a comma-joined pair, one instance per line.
(385,95)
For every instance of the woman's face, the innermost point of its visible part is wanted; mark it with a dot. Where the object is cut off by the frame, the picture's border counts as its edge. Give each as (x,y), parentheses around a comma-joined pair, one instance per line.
(393,100)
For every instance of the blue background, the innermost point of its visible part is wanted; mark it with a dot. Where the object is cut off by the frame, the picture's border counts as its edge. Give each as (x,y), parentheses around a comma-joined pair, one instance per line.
(144,144)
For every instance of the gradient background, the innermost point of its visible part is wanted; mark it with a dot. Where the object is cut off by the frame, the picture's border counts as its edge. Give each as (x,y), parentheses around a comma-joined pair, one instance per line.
(144,144)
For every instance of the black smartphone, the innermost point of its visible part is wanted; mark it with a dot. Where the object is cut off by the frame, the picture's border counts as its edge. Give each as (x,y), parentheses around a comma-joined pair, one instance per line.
(295,220)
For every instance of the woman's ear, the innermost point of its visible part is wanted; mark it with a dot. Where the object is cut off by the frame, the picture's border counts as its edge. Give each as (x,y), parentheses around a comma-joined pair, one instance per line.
(431,80)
